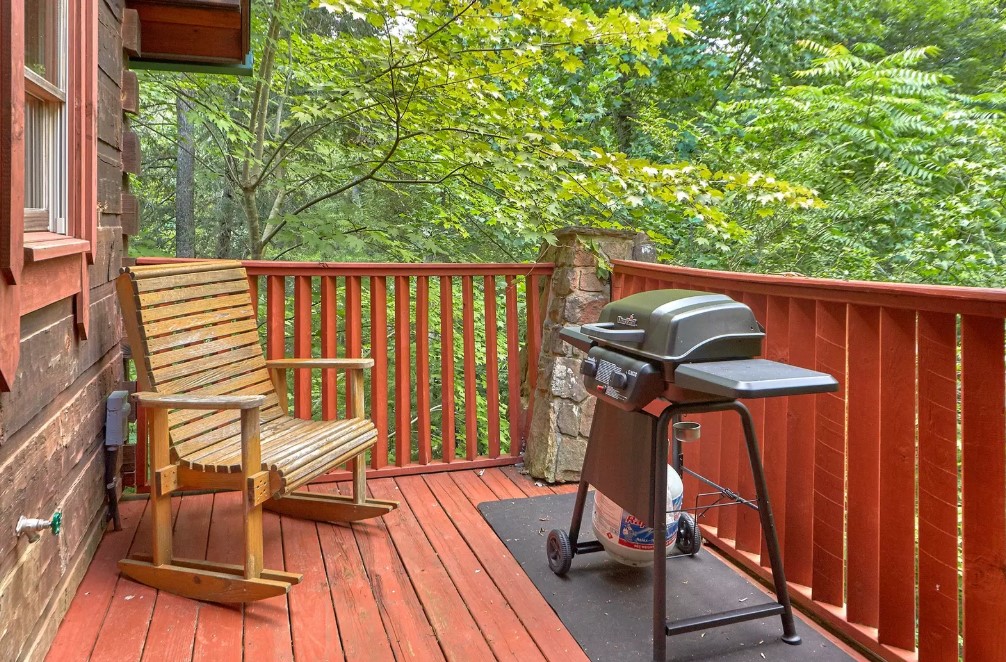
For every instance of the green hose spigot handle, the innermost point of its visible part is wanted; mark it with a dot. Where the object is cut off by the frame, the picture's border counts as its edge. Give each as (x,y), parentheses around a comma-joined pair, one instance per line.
(56,523)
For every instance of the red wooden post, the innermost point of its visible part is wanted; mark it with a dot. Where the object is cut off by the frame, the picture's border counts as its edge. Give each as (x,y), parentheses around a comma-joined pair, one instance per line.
(513,365)
(984,486)
(829,459)
(379,376)
(800,445)
(403,376)
(533,330)
(447,367)
(938,540)
(329,348)
(863,393)
(749,536)
(897,469)
(471,405)
(302,317)
(253,293)
(492,368)
(776,413)
(275,317)
(423,368)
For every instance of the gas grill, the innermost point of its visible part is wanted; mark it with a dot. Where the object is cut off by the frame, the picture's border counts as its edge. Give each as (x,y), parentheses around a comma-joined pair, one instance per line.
(652,358)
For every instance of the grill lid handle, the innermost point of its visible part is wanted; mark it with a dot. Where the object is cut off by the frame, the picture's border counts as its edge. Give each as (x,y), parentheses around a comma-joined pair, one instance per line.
(607,331)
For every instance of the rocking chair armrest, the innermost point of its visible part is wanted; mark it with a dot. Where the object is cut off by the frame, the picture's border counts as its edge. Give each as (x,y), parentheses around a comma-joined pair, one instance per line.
(211,402)
(329,364)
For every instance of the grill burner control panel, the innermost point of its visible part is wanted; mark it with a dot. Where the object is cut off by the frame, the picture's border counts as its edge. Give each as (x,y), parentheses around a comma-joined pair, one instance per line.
(625,381)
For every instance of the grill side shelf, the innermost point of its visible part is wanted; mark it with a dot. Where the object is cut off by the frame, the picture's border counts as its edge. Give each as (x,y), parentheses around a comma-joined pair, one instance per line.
(752,378)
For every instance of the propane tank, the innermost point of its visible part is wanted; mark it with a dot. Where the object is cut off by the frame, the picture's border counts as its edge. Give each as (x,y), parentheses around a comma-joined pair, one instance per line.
(624,537)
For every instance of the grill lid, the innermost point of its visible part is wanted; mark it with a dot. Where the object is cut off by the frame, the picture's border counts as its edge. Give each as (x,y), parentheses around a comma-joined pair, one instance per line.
(678,326)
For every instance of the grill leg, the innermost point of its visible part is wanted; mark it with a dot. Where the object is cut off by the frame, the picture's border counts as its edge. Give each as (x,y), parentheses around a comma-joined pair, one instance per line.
(574,524)
(789,634)
(658,479)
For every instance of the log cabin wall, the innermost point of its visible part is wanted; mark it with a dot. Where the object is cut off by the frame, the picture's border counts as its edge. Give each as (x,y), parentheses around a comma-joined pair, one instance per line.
(51,422)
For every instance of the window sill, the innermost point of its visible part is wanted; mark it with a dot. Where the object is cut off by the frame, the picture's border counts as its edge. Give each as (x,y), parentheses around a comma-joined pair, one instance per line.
(39,246)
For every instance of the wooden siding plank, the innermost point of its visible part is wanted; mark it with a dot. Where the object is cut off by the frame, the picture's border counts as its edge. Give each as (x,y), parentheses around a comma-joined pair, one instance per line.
(403,376)
(302,319)
(379,373)
(863,393)
(453,624)
(938,540)
(829,459)
(897,466)
(709,465)
(749,537)
(329,324)
(447,368)
(984,487)
(469,370)
(495,618)
(799,551)
(544,626)
(492,367)
(423,369)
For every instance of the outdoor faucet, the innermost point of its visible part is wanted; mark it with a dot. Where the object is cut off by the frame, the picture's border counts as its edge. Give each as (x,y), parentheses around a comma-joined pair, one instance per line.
(31,527)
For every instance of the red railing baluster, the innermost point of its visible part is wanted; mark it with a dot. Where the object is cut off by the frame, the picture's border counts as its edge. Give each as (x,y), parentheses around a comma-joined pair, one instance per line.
(275,317)
(302,345)
(897,485)
(447,367)
(329,347)
(863,394)
(984,475)
(492,368)
(776,412)
(253,293)
(829,459)
(403,374)
(423,368)
(471,393)
(533,330)
(379,374)
(938,539)
(799,550)
(513,366)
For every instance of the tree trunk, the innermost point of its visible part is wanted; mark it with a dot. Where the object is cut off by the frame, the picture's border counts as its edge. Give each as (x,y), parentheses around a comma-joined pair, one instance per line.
(185,183)
(225,225)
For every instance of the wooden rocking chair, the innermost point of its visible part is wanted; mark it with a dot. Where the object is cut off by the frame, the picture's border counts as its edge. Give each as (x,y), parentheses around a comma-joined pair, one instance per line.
(218,420)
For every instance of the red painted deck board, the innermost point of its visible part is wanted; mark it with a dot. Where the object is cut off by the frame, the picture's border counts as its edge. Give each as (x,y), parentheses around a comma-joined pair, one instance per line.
(371,590)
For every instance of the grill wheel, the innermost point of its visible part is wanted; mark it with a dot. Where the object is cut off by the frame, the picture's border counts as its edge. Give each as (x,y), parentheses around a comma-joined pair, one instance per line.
(560,552)
(689,536)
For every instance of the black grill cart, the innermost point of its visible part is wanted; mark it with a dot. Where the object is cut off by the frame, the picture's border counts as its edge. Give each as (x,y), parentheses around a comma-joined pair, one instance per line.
(676,353)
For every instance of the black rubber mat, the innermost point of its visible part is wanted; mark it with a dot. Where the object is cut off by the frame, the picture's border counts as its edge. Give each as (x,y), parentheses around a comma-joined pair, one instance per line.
(607,606)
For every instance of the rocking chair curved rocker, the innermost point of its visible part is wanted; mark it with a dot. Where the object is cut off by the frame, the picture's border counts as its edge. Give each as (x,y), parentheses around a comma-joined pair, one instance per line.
(218,420)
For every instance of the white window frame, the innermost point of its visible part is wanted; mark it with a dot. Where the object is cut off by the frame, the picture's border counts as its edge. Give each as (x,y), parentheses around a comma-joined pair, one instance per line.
(55,157)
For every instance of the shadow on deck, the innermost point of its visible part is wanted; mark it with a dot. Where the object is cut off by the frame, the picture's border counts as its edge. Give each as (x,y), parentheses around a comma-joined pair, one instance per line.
(431,581)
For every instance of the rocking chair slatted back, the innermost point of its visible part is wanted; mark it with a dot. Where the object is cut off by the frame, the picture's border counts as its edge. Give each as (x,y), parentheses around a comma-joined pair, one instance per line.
(199,336)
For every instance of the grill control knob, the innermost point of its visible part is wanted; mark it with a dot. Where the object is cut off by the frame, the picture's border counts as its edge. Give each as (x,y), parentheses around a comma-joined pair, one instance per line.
(618,380)
(588,367)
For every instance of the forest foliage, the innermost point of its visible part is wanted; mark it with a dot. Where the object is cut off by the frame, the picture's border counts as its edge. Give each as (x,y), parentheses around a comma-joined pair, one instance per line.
(849,139)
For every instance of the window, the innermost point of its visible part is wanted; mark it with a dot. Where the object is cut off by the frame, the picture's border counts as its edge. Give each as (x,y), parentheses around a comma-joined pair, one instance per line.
(45,116)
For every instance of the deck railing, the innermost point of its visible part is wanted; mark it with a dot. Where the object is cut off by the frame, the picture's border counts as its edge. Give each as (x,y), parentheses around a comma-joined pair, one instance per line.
(889,495)
(445,391)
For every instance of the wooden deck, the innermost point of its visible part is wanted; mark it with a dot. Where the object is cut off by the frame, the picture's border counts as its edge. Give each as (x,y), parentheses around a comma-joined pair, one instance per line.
(430,581)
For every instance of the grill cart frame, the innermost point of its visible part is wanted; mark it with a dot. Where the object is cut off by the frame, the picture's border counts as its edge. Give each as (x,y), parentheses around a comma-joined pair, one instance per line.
(641,391)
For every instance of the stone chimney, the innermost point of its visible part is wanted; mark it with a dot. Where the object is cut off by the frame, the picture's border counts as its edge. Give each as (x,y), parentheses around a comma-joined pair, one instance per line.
(562,410)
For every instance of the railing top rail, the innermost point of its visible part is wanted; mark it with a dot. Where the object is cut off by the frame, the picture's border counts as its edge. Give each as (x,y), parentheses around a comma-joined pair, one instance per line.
(281,268)
(989,302)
